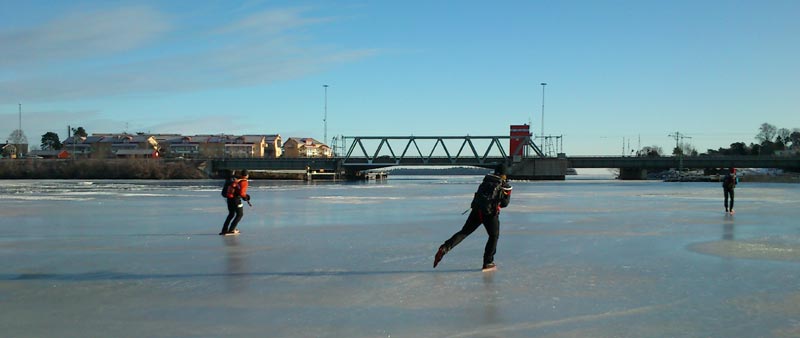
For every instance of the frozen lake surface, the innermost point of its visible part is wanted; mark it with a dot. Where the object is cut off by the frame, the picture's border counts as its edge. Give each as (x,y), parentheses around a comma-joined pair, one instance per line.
(580,258)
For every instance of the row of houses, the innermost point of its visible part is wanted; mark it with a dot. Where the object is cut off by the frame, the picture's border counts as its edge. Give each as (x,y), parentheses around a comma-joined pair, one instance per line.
(143,145)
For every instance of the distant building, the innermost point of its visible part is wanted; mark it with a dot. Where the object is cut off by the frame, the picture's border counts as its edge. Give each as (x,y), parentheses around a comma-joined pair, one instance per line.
(20,149)
(102,145)
(246,146)
(121,145)
(215,146)
(8,150)
(77,147)
(180,146)
(61,154)
(305,147)
(163,141)
(272,146)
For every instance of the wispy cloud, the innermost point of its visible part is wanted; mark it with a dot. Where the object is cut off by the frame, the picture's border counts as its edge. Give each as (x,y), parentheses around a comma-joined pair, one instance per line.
(125,52)
(82,35)
(273,22)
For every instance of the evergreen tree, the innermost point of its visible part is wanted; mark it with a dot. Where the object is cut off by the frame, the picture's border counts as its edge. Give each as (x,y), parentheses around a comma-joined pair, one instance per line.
(50,141)
(80,132)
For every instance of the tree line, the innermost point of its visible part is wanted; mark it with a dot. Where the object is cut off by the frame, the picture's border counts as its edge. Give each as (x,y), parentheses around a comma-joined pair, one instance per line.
(50,140)
(770,139)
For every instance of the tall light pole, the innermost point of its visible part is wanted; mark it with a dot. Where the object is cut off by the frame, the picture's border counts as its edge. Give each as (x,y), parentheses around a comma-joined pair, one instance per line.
(542,130)
(325,118)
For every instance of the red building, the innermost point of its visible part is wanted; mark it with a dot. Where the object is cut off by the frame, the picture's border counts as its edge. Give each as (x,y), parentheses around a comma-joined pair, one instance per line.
(519,136)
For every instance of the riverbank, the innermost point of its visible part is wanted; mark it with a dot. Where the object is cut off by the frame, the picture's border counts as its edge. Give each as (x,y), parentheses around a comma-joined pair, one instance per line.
(154,169)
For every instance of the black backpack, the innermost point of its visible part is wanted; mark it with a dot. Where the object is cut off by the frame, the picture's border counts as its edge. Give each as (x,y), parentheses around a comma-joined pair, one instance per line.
(728,182)
(488,195)
(229,188)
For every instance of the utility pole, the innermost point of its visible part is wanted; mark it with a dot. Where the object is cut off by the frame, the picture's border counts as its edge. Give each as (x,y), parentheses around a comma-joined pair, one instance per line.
(678,141)
(639,145)
(325,118)
(623,146)
(629,145)
(18,136)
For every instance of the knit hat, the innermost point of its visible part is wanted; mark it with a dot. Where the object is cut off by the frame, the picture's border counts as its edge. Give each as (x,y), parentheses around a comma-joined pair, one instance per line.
(501,169)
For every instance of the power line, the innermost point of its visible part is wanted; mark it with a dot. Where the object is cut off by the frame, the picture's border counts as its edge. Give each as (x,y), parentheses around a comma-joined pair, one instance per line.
(678,138)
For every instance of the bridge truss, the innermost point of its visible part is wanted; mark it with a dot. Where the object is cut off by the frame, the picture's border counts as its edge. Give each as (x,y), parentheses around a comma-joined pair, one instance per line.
(435,150)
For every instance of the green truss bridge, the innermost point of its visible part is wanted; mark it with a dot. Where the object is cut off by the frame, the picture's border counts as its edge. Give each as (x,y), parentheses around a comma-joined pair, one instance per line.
(520,154)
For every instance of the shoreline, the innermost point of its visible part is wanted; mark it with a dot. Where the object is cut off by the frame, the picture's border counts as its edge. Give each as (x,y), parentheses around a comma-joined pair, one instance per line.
(750,178)
(165,169)
(154,169)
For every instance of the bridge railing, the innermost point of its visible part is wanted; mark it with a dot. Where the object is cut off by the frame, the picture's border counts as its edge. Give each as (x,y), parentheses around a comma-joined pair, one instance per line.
(429,150)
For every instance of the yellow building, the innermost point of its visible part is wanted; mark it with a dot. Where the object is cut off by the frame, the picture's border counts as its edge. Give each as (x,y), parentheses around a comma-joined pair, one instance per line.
(116,145)
(296,147)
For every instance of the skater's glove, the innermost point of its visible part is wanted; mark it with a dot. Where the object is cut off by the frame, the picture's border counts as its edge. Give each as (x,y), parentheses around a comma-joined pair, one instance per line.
(247,197)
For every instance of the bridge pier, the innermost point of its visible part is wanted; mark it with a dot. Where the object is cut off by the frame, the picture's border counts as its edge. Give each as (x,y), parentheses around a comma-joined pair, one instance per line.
(545,169)
(632,174)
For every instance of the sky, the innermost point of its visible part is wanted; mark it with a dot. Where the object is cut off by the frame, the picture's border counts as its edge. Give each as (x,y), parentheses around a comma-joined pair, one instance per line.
(618,73)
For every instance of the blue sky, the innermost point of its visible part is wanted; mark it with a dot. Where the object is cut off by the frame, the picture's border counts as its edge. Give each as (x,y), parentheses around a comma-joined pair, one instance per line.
(639,70)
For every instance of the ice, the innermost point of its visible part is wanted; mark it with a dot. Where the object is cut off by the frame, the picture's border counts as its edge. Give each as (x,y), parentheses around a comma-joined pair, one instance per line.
(577,258)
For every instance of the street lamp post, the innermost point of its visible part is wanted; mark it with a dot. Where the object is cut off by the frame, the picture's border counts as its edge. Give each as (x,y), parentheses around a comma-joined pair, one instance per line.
(325,118)
(542,130)
(74,150)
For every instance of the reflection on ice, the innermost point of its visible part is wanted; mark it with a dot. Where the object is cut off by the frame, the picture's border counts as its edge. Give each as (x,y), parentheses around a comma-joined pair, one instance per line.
(751,249)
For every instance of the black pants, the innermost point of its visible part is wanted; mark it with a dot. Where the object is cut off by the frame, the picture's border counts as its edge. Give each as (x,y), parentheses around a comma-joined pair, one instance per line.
(235,213)
(728,192)
(476,218)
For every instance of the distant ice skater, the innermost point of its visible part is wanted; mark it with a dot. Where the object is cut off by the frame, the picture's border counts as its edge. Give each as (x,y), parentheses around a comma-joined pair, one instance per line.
(728,185)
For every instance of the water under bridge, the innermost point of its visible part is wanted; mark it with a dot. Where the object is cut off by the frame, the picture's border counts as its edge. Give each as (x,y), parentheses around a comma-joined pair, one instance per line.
(524,161)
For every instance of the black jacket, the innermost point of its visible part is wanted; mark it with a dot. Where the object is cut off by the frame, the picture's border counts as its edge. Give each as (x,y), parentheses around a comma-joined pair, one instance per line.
(499,190)
(729,182)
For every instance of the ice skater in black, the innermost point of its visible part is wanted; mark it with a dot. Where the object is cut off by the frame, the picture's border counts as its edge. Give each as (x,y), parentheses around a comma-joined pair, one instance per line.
(493,194)
(728,184)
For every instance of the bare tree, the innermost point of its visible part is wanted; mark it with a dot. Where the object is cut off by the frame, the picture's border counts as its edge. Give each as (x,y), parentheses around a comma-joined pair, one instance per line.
(650,151)
(688,149)
(17,137)
(766,132)
(784,134)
